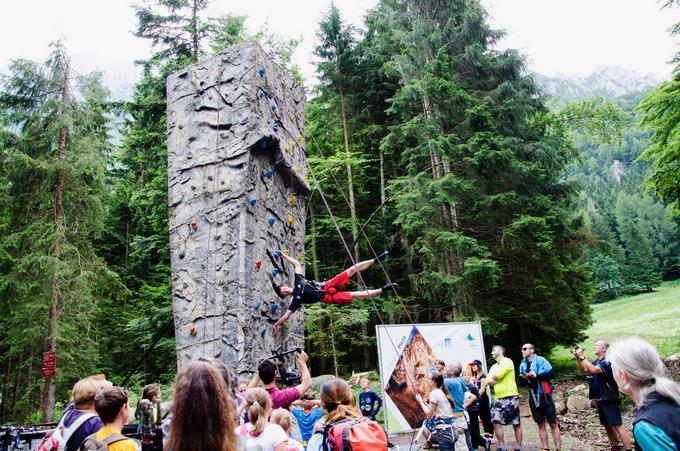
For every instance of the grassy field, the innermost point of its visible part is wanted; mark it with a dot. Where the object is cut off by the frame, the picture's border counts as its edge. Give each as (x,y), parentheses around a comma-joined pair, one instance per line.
(653,316)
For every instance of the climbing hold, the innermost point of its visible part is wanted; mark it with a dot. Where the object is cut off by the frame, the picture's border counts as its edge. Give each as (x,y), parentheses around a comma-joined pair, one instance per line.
(263,144)
(289,149)
(285,325)
(292,200)
(257,306)
(297,170)
(182,254)
(210,177)
(277,253)
(290,219)
(260,93)
(269,173)
(194,224)
(261,71)
(253,201)
(275,127)
(292,117)
(258,264)
(299,137)
(271,220)
(285,252)
(305,178)
(274,308)
(263,332)
(300,257)
(294,144)
(193,332)
(273,106)
(275,272)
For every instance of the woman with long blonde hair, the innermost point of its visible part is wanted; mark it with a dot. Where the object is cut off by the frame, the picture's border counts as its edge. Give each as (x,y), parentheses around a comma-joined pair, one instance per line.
(259,431)
(202,412)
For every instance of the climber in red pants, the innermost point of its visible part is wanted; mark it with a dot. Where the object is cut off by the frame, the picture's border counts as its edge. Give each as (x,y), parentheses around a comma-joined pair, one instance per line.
(309,291)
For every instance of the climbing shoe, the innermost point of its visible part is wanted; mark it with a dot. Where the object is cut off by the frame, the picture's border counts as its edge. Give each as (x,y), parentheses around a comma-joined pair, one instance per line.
(389,287)
(381,257)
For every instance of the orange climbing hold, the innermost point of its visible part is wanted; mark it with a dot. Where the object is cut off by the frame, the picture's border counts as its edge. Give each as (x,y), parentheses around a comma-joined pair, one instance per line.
(194,224)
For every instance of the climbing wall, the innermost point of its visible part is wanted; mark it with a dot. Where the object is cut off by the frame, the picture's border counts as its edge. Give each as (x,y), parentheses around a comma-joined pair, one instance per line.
(237,183)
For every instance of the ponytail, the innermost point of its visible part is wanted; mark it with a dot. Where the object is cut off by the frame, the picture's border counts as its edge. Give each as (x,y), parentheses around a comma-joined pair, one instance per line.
(666,387)
(258,400)
(439,381)
(338,400)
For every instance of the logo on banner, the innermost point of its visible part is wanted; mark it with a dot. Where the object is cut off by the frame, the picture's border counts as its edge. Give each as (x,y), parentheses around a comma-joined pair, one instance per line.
(447,342)
(471,341)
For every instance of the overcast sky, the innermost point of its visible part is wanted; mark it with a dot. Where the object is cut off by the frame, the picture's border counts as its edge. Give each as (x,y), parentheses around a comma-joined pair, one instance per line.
(572,37)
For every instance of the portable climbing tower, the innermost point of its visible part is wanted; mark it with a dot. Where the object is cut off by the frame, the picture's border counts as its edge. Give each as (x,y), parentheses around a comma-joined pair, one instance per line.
(237,185)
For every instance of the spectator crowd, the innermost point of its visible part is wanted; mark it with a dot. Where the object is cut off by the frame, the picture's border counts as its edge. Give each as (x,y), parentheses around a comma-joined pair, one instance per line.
(464,408)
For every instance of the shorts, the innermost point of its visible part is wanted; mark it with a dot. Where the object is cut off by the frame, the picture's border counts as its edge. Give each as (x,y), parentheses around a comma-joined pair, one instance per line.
(545,410)
(505,410)
(610,413)
(331,287)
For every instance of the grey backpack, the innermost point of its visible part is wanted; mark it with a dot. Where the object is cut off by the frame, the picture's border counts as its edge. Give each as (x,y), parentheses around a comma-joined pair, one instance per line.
(92,443)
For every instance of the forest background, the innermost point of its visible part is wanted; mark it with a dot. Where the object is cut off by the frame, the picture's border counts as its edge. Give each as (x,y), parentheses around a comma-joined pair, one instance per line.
(502,197)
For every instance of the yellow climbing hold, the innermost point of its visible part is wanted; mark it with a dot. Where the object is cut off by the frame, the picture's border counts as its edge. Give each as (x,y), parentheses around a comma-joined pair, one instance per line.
(297,170)
(305,178)
(292,200)
(293,144)
(299,137)
(290,219)
(292,117)
(285,252)
(300,257)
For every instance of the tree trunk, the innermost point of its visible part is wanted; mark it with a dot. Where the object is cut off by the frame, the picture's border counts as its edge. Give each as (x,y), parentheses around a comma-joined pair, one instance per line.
(194,30)
(51,383)
(350,183)
(127,254)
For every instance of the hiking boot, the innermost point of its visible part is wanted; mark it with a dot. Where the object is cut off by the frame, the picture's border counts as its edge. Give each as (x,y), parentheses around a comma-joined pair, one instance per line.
(381,257)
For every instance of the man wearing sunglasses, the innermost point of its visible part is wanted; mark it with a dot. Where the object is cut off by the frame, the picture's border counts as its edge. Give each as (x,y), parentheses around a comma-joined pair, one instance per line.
(538,374)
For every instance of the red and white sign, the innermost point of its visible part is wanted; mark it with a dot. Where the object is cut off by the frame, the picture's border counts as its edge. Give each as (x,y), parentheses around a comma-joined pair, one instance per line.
(49,364)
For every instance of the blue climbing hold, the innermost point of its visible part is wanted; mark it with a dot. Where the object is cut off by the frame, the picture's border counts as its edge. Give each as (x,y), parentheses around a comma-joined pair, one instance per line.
(257,305)
(263,332)
(269,173)
(275,127)
(210,177)
(275,272)
(260,93)
(277,253)
(261,71)
(263,144)
(273,107)
(253,201)
(182,254)
(271,221)
(274,308)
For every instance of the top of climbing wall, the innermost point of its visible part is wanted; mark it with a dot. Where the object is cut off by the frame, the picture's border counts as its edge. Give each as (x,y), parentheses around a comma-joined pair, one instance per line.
(251,100)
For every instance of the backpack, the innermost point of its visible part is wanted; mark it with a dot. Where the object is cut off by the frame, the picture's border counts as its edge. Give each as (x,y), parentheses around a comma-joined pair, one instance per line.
(92,443)
(56,439)
(362,434)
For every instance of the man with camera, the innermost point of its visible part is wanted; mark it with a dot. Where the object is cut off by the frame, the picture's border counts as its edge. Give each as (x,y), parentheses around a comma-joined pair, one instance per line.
(268,374)
(606,393)
(537,373)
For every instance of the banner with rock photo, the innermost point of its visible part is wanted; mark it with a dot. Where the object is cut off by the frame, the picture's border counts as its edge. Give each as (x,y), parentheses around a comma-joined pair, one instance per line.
(406,355)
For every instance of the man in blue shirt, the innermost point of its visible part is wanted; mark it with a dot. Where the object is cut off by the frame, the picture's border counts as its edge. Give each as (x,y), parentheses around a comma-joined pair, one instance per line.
(537,373)
(457,388)
(368,400)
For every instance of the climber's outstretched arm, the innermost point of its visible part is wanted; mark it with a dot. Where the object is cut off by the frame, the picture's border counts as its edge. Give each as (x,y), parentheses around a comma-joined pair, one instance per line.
(281,320)
(296,264)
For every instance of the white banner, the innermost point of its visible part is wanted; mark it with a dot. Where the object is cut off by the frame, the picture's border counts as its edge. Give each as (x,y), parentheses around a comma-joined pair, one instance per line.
(407,353)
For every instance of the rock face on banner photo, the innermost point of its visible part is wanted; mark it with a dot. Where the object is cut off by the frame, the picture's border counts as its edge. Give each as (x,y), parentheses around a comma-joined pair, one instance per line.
(237,181)
(410,377)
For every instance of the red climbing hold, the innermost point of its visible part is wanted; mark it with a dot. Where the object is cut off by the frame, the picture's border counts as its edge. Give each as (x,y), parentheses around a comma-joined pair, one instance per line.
(194,224)
(258,264)
(194,331)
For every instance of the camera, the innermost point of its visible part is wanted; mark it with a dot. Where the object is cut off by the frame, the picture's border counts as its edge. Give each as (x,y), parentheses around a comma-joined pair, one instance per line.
(286,376)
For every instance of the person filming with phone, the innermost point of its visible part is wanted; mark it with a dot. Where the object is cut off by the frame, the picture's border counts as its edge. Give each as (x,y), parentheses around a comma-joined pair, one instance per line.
(606,393)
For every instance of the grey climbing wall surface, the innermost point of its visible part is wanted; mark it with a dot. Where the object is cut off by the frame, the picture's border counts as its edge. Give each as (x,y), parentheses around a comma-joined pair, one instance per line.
(237,183)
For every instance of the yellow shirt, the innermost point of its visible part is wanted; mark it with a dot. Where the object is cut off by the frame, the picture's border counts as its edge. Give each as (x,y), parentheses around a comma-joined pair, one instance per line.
(504,372)
(123,445)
